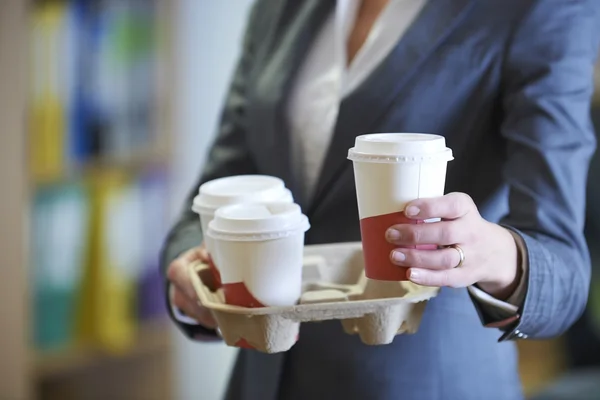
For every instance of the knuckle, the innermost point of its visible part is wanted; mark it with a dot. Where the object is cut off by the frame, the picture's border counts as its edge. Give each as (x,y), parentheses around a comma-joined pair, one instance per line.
(415,234)
(173,270)
(466,201)
(198,253)
(415,258)
(459,203)
(449,259)
(428,208)
(203,254)
(455,205)
(448,233)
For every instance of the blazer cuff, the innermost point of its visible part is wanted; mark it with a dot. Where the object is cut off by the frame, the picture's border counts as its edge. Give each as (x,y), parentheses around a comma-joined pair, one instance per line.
(189,326)
(178,314)
(533,312)
(518,297)
(495,313)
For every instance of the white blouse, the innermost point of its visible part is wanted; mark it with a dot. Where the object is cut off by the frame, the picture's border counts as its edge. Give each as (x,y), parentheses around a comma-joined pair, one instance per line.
(325,79)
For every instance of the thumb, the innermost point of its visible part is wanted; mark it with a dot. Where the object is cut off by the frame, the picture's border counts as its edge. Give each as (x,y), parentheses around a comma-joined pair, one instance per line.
(178,272)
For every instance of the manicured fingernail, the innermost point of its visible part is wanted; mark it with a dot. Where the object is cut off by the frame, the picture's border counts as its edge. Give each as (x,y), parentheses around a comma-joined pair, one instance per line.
(411,211)
(392,234)
(413,275)
(398,256)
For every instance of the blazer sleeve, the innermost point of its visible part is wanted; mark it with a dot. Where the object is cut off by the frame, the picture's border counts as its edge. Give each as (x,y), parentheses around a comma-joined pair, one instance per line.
(547,90)
(593,188)
(228,155)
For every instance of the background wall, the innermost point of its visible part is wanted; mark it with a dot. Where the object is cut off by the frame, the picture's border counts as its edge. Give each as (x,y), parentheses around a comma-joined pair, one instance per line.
(208,43)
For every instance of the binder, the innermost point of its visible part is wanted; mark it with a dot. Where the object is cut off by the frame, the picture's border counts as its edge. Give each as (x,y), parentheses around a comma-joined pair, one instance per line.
(48,120)
(59,244)
(80,112)
(116,260)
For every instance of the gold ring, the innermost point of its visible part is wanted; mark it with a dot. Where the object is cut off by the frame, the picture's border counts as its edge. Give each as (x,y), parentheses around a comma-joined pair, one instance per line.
(461,254)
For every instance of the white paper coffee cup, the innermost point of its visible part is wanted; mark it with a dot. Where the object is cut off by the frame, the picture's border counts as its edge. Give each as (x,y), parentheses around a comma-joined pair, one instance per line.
(390,170)
(231,190)
(259,250)
(239,189)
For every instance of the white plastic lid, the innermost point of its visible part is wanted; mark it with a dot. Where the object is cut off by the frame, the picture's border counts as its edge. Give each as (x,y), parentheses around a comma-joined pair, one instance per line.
(257,222)
(399,147)
(240,189)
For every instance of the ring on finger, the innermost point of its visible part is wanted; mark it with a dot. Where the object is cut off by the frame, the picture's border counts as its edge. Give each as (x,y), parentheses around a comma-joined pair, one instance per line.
(461,254)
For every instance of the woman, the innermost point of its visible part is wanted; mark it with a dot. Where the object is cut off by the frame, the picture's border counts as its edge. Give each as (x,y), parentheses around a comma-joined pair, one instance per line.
(508,83)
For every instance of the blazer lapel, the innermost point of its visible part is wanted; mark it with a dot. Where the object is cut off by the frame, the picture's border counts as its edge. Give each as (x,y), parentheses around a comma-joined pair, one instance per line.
(290,42)
(360,112)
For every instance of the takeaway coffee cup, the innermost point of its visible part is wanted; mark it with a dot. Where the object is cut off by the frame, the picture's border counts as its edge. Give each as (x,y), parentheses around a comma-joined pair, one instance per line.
(235,190)
(259,250)
(390,170)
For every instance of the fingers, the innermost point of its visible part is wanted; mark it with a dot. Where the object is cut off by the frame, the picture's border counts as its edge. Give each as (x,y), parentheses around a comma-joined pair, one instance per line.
(195,254)
(178,275)
(459,223)
(445,258)
(192,309)
(441,233)
(454,278)
(177,272)
(450,206)
(184,295)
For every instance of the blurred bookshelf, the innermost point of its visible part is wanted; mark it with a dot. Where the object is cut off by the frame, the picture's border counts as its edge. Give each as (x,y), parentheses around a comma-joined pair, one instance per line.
(152,338)
(85,154)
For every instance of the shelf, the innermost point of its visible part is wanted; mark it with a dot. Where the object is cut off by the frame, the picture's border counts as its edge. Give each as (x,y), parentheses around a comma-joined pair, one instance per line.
(139,160)
(153,338)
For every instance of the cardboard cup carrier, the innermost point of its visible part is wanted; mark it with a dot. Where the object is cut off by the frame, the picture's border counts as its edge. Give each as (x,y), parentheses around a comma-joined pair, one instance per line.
(390,170)
(333,286)
(235,190)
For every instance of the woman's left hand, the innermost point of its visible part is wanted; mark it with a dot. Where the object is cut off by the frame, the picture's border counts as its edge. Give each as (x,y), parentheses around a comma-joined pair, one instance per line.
(490,251)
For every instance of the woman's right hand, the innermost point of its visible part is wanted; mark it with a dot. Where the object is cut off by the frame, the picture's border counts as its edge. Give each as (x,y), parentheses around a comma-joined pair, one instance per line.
(183,295)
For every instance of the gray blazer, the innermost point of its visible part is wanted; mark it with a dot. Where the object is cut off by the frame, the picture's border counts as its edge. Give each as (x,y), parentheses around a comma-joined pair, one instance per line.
(508,83)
